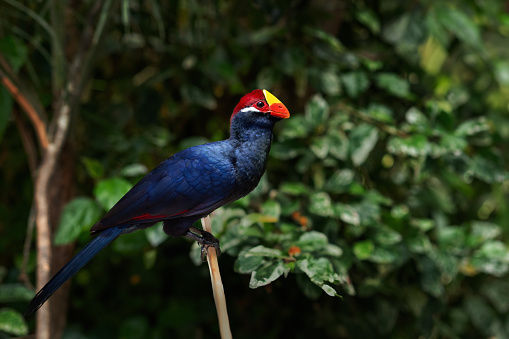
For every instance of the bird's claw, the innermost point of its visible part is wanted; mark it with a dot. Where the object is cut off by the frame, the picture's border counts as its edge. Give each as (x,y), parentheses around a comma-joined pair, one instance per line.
(208,240)
(205,240)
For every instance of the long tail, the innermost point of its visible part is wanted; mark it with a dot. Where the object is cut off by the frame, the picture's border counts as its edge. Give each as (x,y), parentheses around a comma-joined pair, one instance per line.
(72,267)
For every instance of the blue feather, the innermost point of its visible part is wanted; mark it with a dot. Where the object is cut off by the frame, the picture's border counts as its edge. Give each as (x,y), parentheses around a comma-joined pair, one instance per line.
(73,266)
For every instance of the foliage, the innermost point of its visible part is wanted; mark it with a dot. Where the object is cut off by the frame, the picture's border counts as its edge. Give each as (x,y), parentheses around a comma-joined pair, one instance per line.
(387,185)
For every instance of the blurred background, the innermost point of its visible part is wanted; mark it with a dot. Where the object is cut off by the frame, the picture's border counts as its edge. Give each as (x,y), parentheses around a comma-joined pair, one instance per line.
(382,213)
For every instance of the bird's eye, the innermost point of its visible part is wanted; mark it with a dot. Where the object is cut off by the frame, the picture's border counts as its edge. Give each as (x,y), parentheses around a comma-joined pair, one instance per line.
(260,104)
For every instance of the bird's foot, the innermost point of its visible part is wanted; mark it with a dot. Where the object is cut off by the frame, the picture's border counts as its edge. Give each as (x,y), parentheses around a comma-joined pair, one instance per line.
(205,239)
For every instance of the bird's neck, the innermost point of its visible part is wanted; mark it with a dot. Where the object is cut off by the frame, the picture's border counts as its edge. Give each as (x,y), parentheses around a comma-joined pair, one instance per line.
(251,141)
(254,134)
(248,127)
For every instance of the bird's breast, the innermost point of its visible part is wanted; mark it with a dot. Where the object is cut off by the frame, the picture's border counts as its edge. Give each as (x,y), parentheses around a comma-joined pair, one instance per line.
(250,163)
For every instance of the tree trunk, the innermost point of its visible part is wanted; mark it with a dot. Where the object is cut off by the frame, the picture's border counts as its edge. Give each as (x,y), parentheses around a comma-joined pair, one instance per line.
(61,190)
(47,182)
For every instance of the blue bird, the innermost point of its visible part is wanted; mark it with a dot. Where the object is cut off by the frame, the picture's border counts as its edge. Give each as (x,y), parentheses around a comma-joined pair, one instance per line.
(187,186)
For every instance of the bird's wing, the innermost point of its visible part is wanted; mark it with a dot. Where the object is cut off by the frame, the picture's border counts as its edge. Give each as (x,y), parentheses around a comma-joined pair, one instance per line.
(192,182)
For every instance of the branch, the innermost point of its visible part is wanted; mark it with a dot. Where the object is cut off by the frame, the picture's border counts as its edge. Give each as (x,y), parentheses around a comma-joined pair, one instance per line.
(22,99)
(83,60)
(217,285)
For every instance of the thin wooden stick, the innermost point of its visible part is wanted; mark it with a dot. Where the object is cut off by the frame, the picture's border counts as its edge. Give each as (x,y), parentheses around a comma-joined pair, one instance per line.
(217,285)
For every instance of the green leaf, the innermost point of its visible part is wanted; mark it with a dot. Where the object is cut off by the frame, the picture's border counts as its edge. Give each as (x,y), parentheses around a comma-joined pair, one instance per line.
(195,254)
(271,208)
(339,181)
(94,167)
(369,19)
(459,24)
(433,55)
(382,255)
(12,322)
(15,292)
(363,249)
(380,112)
(266,274)
(396,31)
(338,144)
(355,83)
(452,144)
(249,264)
(317,110)
(330,82)
(482,231)
(385,235)
(406,33)
(492,258)
(393,84)
(262,251)
(400,211)
(430,277)
(320,204)
(155,235)
(320,147)
(79,214)
(448,265)
(294,188)
(415,145)
(283,151)
(296,127)
(332,41)
(418,243)
(312,241)
(501,72)
(149,258)
(422,224)
(472,127)
(451,238)
(362,141)
(133,170)
(347,214)
(415,117)
(321,273)
(486,169)
(14,50)
(333,250)
(109,191)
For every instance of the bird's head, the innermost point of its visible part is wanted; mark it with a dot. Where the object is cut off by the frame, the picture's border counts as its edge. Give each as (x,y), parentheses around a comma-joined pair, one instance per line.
(262,103)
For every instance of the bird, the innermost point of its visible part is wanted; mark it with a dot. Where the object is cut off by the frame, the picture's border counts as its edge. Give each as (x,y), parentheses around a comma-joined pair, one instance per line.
(187,186)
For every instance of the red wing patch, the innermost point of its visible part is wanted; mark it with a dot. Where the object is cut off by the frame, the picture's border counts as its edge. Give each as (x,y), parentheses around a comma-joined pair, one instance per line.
(147,216)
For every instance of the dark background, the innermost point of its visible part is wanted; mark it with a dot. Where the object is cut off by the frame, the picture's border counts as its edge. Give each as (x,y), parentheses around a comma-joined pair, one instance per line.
(387,185)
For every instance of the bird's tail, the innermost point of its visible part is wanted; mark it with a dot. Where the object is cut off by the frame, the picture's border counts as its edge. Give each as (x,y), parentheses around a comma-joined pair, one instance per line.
(72,267)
